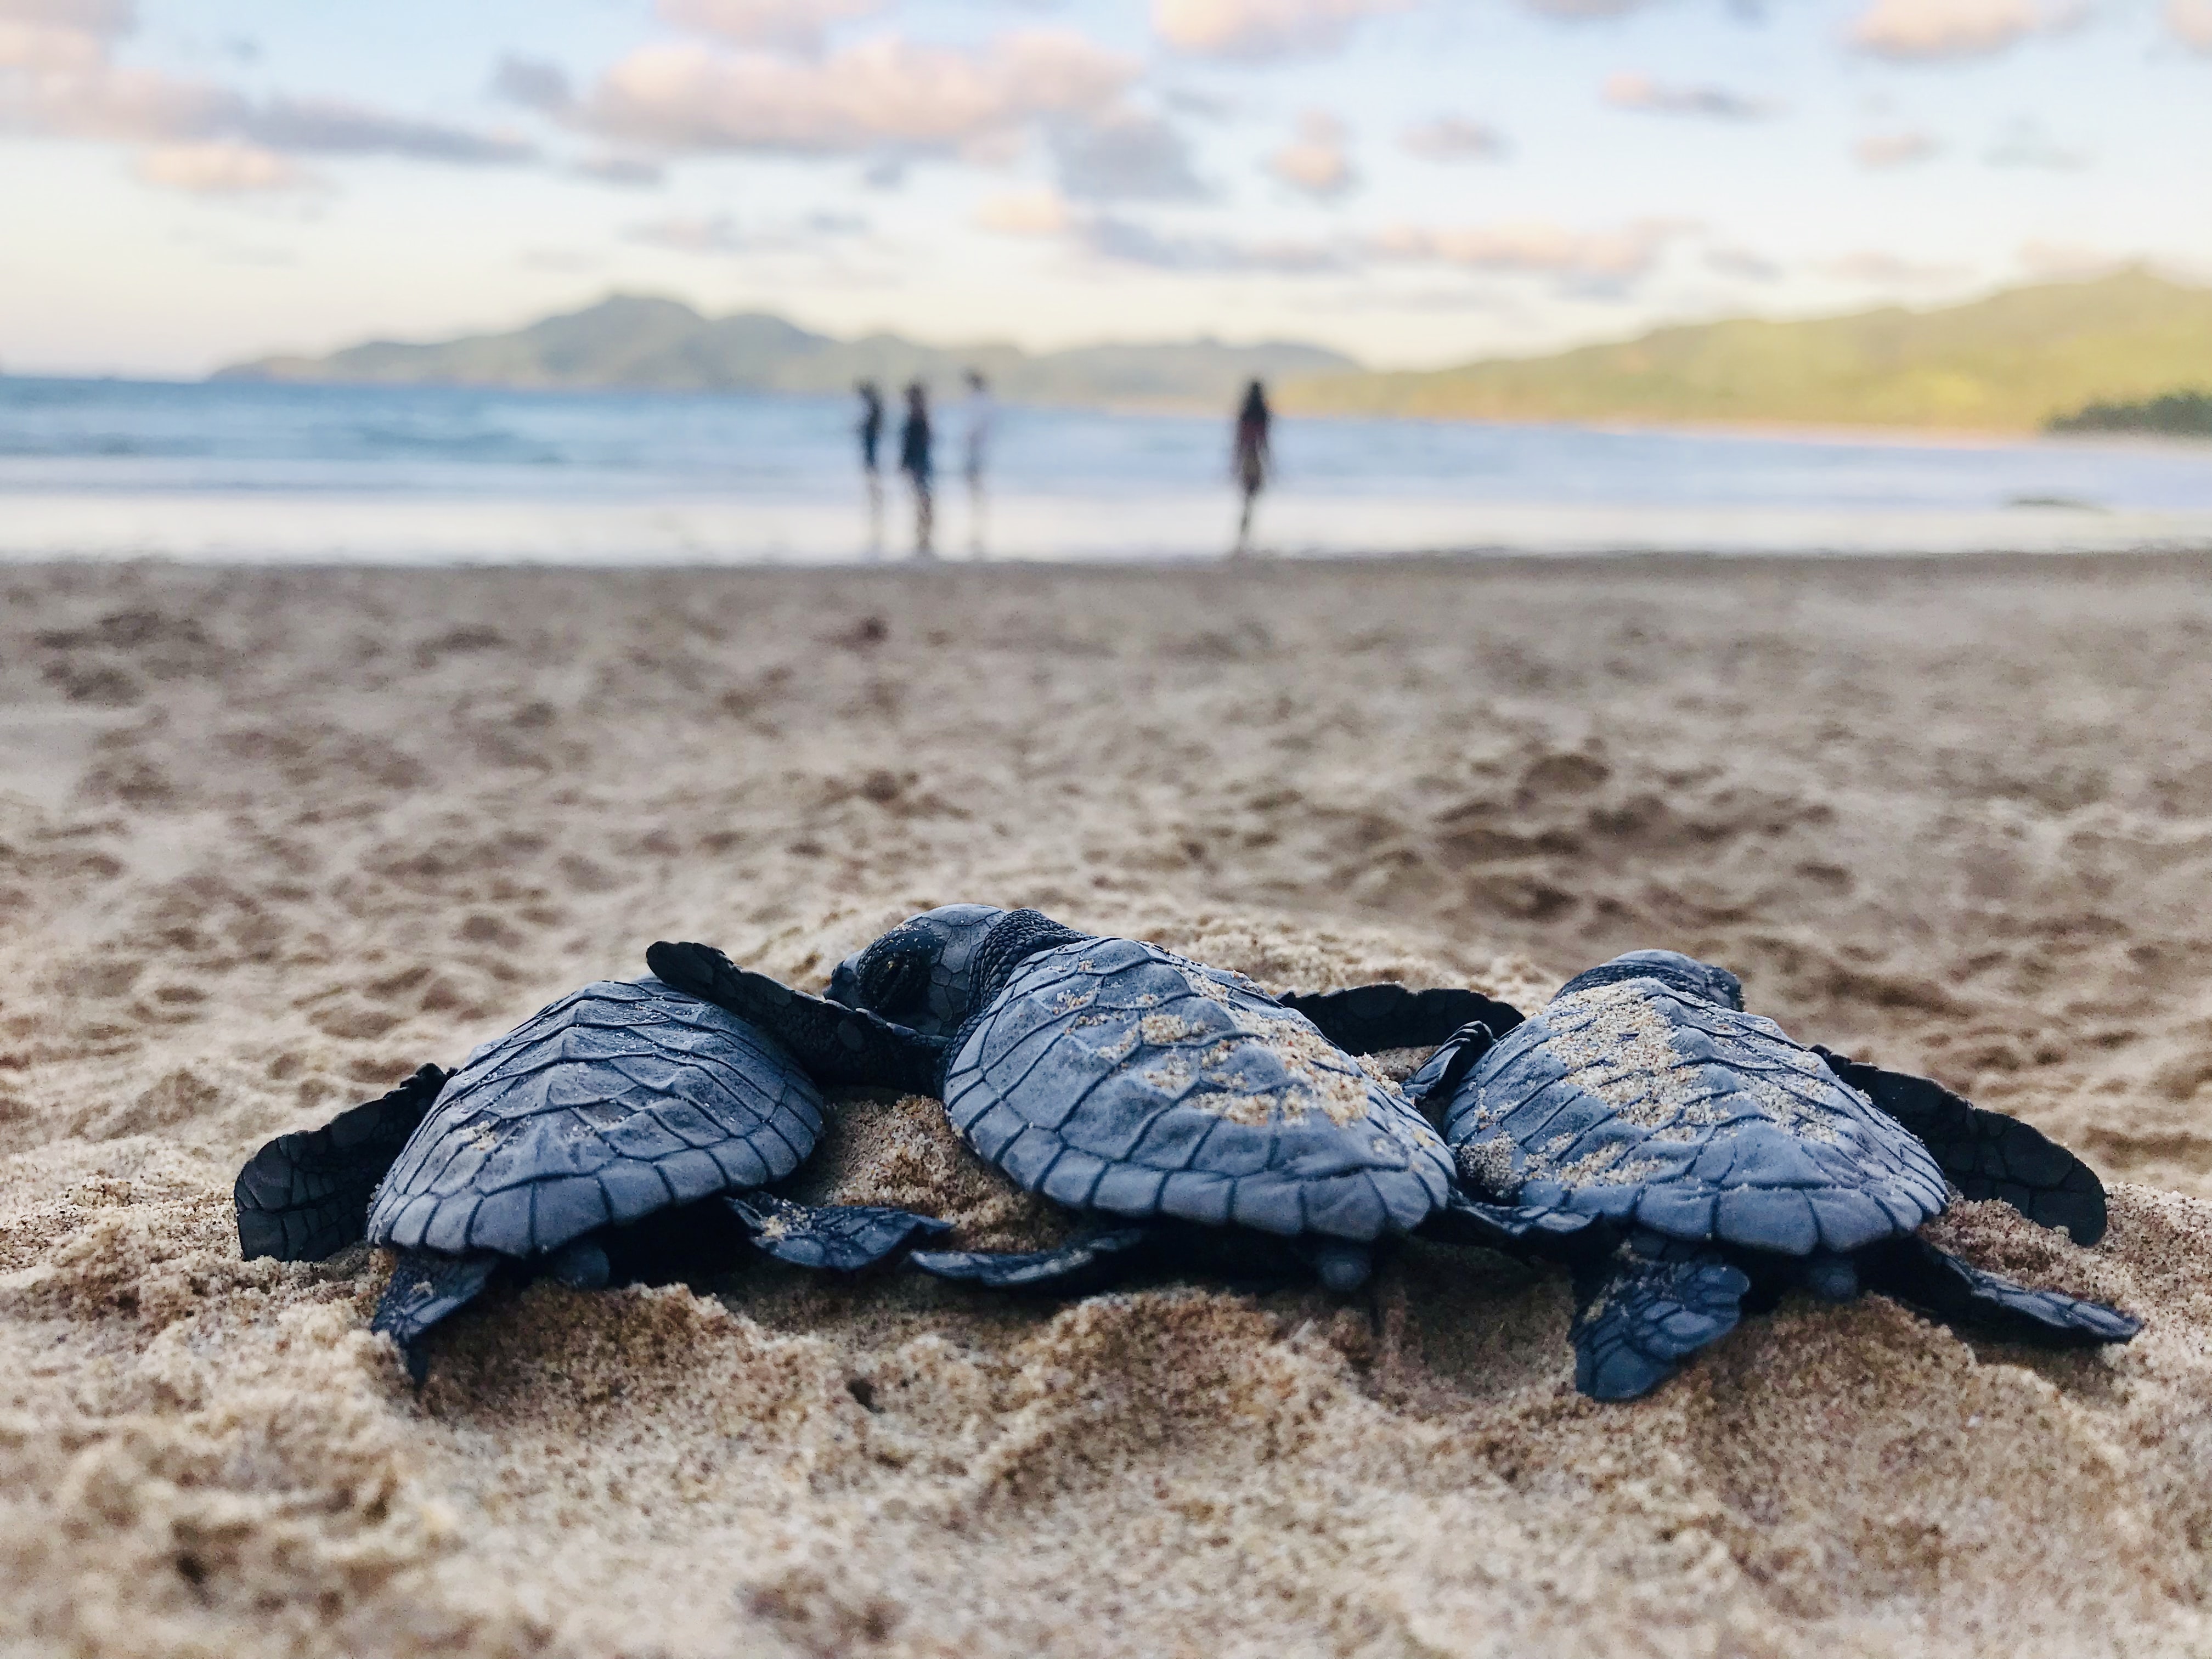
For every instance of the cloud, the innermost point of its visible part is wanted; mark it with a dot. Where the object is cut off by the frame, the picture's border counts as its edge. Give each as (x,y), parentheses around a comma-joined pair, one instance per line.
(329,126)
(1453,138)
(2026,144)
(2192,20)
(534,83)
(716,233)
(794,24)
(26,44)
(57,80)
(1042,212)
(2066,261)
(882,93)
(1895,150)
(1743,263)
(1938,29)
(1582,10)
(720,233)
(220,169)
(1125,157)
(628,172)
(1890,271)
(1314,161)
(1641,92)
(1130,243)
(1588,258)
(1253,29)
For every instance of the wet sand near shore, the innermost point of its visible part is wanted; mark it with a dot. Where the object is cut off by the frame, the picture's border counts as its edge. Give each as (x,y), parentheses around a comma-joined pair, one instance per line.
(270,840)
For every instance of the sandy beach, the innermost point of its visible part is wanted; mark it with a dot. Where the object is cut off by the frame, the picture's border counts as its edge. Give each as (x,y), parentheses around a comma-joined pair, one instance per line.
(270,840)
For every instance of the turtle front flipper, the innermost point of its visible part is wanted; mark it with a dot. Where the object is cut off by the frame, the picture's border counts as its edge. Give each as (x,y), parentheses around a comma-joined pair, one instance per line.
(1637,1318)
(305,1195)
(1082,1264)
(1440,1075)
(844,1237)
(1959,1293)
(836,1043)
(1986,1154)
(426,1286)
(1368,1018)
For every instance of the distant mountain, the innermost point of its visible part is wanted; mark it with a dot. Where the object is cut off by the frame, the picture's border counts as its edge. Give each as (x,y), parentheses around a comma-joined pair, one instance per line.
(631,340)
(2015,361)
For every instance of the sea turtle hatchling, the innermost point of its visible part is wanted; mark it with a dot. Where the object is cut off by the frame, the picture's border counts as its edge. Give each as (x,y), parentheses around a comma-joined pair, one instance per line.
(1692,1160)
(618,1133)
(1192,1114)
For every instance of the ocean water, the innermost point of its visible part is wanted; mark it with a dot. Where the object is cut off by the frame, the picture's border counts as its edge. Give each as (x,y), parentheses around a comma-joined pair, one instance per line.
(107,469)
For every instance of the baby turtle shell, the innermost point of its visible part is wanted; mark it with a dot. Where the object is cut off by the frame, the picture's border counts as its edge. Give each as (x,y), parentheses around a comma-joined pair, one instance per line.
(1687,1156)
(621,1101)
(1629,1101)
(1114,1075)
(1121,1080)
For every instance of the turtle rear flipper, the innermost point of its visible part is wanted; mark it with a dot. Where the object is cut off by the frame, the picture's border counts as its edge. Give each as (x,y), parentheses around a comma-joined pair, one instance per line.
(1514,1231)
(1370,1018)
(844,1237)
(1986,1154)
(426,1286)
(1636,1319)
(1082,1264)
(1914,1271)
(305,1195)
(836,1043)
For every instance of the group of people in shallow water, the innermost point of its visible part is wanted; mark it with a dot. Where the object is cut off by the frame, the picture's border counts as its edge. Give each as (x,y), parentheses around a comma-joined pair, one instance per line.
(917,458)
(1251,463)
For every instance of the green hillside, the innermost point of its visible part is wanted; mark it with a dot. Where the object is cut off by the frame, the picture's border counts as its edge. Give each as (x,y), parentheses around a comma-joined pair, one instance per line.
(2015,361)
(628,341)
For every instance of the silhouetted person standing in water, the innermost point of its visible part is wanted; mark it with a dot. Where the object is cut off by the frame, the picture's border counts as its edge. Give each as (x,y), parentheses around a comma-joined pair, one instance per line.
(915,462)
(871,429)
(1254,461)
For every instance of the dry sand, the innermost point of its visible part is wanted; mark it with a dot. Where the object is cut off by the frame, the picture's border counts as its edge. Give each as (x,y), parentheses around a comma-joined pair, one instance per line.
(267,841)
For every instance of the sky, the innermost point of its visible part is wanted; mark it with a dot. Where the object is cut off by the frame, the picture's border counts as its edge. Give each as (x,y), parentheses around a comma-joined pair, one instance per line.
(187,183)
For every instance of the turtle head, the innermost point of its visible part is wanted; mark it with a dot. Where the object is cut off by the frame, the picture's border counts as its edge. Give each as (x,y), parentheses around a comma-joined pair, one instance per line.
(922,973)
(1672,968)
(933,970)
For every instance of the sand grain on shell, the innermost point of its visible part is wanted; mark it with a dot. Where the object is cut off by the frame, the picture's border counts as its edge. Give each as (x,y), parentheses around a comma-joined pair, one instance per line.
(316,828)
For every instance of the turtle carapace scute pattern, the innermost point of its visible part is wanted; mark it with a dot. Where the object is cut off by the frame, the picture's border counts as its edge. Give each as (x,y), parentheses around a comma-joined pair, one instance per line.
(552,1146)
(1123,1081)
(1691,1158)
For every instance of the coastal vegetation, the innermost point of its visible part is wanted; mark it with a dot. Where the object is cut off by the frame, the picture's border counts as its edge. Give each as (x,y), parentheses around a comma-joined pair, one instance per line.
(2177,414)
(2015,361)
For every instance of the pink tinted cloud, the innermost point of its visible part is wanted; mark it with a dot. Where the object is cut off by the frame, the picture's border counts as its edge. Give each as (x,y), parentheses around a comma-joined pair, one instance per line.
(1315,161)
(1939,29)
(884,92)
(795,24)
(1263,29)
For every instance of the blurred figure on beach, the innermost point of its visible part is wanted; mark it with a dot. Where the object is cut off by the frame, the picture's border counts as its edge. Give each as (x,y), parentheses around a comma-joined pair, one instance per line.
(871,430)
(915,462)
(1253,459)
(977,416)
